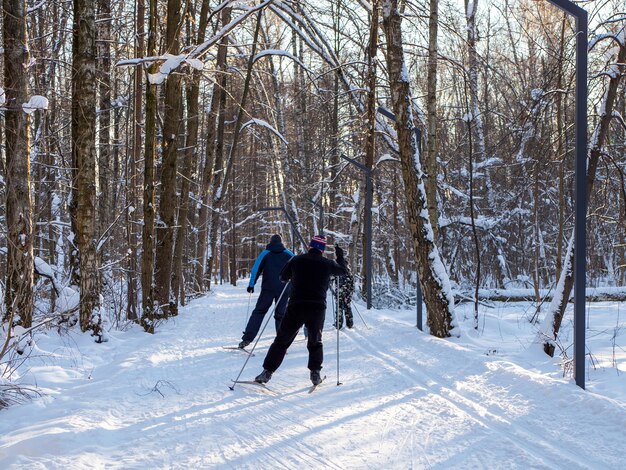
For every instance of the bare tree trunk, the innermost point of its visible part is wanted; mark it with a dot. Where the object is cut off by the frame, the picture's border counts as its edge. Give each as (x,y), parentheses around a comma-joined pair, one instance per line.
(149,199)
(19,218)
(537,235)
(431,115)
(472,208)
(132,218)
(370,144)
(203,216)
(333,162)
(191,153)
(218,165)
(480,150)
(165,227)
(210,164)
(233,233)
(432,273)
(105,208)
(84,158)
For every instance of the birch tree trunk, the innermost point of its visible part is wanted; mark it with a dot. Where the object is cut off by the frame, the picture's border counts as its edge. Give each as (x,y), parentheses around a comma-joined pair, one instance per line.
(431,117)
(480,150)
(132,219)
(432,273)
(149,199)
(105,208)
(19,218)
(84,159)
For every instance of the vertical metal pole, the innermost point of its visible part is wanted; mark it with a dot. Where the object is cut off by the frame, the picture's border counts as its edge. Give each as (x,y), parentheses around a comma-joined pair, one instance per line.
(368,231)
(221,256)
(419,305)
(580,204)
(321,216)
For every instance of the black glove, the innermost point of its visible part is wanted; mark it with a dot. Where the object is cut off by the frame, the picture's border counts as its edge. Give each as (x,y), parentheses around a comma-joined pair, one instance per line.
(250,290)
(338,251)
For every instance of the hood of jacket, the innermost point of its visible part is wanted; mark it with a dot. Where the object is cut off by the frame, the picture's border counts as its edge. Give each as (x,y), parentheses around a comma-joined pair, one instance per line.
(275,247)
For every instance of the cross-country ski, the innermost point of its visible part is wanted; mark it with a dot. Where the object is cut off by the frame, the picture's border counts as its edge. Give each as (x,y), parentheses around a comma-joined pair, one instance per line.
(237,348)
(314,386)
(257,385)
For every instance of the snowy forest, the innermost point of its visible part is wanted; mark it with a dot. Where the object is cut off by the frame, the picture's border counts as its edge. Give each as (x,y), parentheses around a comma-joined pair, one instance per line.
(143,140)
(151,148)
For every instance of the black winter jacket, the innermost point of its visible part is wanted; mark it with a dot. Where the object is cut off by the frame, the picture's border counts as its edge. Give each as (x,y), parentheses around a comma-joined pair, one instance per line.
(310,275)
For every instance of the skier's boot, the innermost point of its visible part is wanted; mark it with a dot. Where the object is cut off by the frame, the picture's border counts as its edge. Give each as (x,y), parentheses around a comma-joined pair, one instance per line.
(316,378)
(243,344)
(264,376)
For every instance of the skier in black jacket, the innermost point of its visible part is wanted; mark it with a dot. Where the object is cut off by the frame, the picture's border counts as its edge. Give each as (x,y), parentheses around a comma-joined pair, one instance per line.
(269,263)
(310,275)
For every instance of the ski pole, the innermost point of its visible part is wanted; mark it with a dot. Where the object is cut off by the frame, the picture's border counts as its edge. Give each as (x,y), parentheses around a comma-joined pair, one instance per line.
(259,337)
(336,309)
(248,310)
(360,316)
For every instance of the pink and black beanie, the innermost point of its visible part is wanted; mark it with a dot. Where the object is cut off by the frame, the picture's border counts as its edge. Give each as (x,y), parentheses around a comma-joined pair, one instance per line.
(318,242)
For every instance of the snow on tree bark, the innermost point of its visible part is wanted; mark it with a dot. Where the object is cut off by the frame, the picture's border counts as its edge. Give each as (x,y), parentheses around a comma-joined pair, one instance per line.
(19,281)
(433,276)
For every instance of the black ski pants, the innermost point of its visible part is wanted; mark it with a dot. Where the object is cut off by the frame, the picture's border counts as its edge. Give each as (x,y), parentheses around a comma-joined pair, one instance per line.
(297,315)
(263,304)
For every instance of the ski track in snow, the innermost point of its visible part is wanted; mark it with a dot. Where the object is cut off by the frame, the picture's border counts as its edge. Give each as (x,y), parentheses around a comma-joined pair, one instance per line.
(408,400)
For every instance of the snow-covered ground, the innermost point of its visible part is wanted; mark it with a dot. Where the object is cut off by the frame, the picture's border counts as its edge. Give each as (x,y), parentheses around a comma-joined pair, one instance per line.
(407,400)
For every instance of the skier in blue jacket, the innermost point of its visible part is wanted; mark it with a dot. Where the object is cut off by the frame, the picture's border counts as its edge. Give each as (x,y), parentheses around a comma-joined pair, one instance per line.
(269,264)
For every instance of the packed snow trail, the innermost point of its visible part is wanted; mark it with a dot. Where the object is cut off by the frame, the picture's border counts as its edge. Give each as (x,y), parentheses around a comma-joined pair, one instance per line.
(408,400)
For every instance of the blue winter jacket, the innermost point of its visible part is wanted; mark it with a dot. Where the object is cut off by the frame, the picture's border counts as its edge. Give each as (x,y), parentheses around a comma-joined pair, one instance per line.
(269,264)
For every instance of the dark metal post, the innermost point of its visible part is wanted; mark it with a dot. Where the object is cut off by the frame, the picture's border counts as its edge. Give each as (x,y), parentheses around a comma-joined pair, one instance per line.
(221,257)
(368,233)
(580,201)
(580,204)
(420,323)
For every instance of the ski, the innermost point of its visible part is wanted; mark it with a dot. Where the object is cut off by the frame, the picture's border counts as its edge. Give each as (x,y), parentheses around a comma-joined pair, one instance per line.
(314,387)
(252,382)
(237,348)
